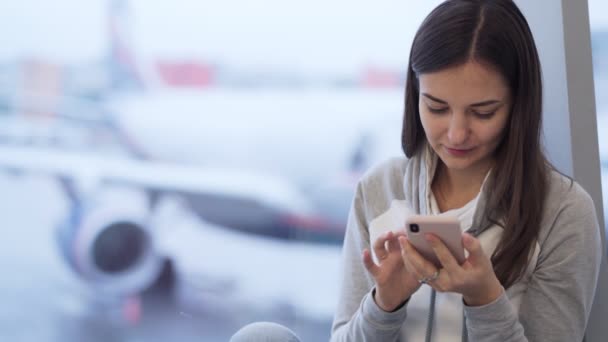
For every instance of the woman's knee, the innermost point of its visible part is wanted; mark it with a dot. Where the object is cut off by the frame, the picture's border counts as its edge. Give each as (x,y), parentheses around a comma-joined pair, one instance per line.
(264,332)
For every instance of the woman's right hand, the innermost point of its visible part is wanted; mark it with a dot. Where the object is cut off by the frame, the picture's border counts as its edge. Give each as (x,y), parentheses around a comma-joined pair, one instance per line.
(394,284)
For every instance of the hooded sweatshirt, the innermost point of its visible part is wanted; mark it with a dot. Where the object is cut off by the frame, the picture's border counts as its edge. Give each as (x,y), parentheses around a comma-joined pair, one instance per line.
(551,302)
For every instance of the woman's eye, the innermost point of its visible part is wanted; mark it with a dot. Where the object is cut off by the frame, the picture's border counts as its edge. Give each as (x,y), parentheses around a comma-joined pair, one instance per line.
(484,115)
(438,110)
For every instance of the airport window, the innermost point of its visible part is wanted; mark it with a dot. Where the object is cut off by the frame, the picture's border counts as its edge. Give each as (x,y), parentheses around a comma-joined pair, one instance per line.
(177,169)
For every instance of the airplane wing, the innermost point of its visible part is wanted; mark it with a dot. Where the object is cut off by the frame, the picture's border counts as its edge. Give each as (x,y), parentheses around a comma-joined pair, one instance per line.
(91,170)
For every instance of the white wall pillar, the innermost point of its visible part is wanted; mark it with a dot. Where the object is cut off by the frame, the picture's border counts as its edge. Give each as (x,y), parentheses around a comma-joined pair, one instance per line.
(561,31)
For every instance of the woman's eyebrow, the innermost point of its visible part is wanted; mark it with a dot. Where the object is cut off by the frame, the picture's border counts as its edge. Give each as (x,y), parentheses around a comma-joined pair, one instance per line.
(477,104)
(434,98)
(485,103)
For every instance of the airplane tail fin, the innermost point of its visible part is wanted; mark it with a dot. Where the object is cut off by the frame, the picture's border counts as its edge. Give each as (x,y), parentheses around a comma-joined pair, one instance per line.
(124,69)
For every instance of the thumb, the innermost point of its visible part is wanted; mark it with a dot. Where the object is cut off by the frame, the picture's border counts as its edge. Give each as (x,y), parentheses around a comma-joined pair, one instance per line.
(473,246)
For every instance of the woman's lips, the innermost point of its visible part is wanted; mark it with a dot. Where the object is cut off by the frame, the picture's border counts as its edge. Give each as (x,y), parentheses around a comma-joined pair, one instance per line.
(458,152)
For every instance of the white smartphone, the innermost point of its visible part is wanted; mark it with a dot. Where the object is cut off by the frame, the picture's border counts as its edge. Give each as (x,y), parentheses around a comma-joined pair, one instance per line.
(444,227)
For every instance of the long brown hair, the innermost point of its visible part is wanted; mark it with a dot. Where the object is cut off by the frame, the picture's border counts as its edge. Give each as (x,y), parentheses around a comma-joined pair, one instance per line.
(494,32)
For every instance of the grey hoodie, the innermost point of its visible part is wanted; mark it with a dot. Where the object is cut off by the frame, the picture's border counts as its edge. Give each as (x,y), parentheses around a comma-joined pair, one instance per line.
(551,303)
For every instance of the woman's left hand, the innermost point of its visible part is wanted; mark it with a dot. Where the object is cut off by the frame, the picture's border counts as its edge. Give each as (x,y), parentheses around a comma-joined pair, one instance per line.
(474,279)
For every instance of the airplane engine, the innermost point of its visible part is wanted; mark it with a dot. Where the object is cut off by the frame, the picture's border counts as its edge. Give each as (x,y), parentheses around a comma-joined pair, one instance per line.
(107,241)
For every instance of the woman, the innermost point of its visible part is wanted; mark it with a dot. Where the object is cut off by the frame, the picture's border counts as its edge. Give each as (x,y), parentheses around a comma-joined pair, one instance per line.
(471,135)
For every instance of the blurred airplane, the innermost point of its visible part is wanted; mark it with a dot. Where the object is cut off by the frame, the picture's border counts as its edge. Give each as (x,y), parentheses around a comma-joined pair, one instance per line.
(275,163)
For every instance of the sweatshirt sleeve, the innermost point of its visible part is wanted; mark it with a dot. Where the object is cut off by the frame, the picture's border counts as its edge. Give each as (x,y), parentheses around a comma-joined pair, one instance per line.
(559,295)
(358,317)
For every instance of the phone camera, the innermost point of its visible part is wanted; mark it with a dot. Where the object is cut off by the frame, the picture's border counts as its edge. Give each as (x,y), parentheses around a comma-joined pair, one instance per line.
(414,228)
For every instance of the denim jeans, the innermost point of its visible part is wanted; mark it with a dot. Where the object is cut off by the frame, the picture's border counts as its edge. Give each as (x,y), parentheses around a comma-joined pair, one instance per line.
(264,332)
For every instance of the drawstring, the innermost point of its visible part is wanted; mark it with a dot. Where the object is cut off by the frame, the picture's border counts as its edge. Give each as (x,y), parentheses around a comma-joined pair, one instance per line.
(465,333)
(431,319)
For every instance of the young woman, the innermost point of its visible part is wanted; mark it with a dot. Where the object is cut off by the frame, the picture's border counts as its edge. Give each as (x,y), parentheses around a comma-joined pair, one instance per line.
(471,137)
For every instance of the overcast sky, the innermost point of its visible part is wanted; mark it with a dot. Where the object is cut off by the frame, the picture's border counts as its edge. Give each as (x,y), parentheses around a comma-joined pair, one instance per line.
(307,34)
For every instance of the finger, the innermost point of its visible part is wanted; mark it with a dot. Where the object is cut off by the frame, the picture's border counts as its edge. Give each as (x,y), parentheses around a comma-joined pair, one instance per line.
(402,243)
(473,246)
(441,283)
(393,243)
(406,261)
(370,265)
(418,265)
(442,252)
(416,258)
(380,247)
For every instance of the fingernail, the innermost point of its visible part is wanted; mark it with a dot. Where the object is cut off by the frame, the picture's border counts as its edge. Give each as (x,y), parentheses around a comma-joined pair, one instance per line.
(429,237)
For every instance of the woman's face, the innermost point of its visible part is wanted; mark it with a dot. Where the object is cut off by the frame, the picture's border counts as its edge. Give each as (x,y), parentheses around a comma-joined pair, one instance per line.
(464,112)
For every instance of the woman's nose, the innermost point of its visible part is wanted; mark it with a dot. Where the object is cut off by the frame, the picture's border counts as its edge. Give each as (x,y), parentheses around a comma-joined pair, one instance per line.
(458,131)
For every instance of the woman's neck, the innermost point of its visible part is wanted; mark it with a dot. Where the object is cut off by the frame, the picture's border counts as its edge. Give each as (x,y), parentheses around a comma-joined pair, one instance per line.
(455,188)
